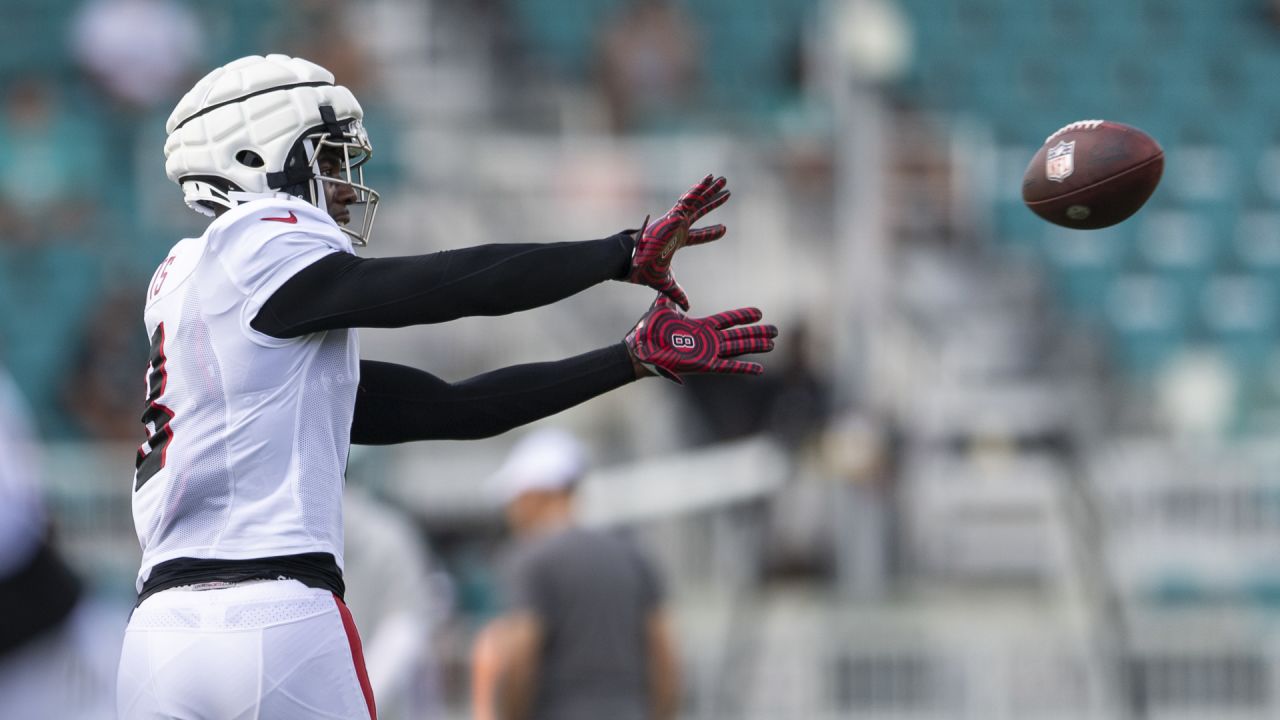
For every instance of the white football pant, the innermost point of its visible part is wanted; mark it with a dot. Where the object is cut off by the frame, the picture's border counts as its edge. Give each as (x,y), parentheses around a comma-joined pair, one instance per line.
(273,649)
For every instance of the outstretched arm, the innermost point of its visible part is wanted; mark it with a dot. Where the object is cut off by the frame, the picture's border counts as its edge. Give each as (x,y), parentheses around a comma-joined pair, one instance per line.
(397,404)
(341,290)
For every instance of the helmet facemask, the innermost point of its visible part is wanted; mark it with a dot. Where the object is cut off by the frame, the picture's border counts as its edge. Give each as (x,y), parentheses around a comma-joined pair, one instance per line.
(347,145)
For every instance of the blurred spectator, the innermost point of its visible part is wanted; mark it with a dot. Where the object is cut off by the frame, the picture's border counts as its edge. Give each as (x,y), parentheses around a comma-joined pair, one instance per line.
(318,30)
(485,655)
(46,669)
(322,32)
(1272,12)
(648,66)
(138,52)
(586,635)
(48,287)
(862,454)
(800,407)
(873,38)
(103,393)
(1196,394)
(45,182)
(396,603)
(138,55)
(791,400)
(721,412)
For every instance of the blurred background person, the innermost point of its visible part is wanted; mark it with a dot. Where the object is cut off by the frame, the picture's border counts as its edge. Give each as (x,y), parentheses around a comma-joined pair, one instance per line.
(46,187)
(48,666)
(585,634)
(648,66)
(397,601)
(138,53)
(51,210)
(98,397)
(791,403)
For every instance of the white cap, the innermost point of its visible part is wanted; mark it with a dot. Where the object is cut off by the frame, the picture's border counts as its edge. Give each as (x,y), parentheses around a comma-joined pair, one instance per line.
(546,460)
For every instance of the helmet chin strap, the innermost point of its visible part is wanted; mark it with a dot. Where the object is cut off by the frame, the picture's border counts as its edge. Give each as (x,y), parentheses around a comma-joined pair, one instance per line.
(304,172)
(296,176)
(331,124)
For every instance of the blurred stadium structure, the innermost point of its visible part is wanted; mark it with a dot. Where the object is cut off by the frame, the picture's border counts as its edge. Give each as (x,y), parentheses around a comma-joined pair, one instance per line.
(1020,472)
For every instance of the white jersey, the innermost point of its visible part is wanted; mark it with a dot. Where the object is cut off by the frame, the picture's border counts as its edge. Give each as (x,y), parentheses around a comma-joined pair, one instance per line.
(248,434)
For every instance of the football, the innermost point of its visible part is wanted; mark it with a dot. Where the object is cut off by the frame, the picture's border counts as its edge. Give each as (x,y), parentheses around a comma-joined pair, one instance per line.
(1092,174)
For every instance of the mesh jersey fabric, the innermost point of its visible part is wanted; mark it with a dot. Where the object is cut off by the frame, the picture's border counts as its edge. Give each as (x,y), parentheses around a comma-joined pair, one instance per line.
(248,434)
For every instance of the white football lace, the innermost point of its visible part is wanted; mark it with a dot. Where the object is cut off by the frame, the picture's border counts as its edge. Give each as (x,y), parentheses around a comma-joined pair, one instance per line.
(1077,125)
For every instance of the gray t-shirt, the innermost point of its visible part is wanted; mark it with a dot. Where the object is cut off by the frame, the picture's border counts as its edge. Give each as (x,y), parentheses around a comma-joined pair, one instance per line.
(593,592)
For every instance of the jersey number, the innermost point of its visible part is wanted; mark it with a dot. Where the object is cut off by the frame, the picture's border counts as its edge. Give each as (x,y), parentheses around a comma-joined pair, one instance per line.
(156,417)
(162,274)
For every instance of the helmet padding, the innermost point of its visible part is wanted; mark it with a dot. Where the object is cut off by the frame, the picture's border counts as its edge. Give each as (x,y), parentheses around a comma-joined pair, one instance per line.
(253,127)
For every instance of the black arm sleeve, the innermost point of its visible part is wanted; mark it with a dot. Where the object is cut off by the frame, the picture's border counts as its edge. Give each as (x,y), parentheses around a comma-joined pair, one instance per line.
(397,404)
(341,290)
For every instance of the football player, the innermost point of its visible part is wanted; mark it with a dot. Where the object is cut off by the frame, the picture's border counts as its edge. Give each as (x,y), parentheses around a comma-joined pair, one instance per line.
(256,388)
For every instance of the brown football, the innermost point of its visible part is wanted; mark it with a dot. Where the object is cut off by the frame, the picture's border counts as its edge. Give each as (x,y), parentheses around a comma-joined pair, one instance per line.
(1092,174)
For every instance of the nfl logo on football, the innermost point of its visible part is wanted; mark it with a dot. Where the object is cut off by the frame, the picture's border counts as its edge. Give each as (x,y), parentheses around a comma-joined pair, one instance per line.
(1060,161)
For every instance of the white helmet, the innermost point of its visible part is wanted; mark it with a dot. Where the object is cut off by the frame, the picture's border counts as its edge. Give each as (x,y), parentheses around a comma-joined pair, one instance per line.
(255,127)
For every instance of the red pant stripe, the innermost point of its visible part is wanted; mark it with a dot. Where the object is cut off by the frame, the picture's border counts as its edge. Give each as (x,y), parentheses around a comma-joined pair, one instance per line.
(357,655)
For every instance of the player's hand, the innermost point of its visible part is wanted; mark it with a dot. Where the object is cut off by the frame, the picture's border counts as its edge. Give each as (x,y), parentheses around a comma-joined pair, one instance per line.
(658,241)
(669,343)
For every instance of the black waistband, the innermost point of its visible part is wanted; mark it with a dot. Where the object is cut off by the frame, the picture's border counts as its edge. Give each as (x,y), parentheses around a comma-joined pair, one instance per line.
(317,570)
(37,598)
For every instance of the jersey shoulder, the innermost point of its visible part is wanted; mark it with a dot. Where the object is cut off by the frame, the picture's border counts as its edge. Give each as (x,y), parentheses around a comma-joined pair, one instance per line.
(173,272)
(256,223)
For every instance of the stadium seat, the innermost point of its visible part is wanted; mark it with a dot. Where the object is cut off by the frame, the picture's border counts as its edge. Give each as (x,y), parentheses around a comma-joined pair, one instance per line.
(1199,171)
(34,35)
(1256,241)
(1263,589)
(1239,315)
(1018,230)
(561,31)
(1175,588)
(1146,323)
(1083,265)
(62,281)
(1178,243)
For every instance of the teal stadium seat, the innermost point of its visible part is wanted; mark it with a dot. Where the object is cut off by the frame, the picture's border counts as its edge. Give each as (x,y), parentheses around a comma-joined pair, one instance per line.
(61,281)
(35,34)
(753,45)
(1262,588)
(748,69)
(562,31)
(1146,323)
(1238,314)
(1178,244)
(251,27)
(1083,266)
(1020,231)
(1255,242)
(748,45)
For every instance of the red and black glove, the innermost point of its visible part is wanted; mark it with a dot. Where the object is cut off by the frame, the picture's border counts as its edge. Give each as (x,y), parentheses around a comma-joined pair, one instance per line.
(657,242)
(669,343)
